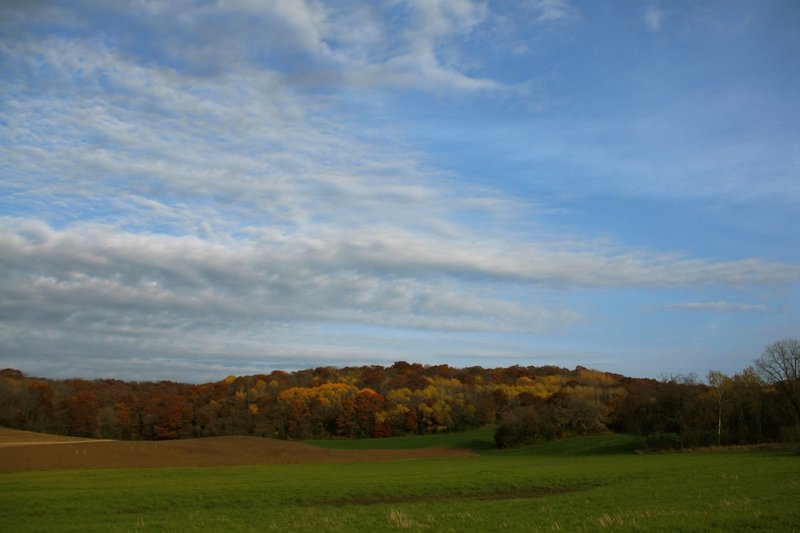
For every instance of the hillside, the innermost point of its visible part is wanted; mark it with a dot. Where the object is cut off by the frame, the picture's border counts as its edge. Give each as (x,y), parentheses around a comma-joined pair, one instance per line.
(526,404)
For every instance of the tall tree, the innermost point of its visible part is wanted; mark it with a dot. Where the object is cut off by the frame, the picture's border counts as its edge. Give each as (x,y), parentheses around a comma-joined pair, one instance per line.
(747,406)
(780,365)
(719,383)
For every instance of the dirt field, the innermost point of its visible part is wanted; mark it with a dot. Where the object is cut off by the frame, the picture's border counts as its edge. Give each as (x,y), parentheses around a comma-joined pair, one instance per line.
(22,450)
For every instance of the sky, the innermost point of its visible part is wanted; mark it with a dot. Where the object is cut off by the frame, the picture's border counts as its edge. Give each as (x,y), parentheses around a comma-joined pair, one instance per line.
(194,189)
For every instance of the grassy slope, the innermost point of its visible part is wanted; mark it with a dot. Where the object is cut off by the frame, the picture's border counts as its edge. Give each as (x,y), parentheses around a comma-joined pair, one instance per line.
(576,485)
(482,441)
(479,440)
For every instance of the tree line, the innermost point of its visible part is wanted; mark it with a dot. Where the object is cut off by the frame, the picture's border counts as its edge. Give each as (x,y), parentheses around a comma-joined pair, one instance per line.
(525,404)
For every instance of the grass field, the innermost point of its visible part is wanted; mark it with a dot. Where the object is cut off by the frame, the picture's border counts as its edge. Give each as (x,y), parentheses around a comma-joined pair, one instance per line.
(584,484)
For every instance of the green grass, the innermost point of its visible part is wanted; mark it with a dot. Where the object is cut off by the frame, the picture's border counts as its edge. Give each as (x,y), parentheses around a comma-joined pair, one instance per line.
(606,444)
(586,484)
(478,440)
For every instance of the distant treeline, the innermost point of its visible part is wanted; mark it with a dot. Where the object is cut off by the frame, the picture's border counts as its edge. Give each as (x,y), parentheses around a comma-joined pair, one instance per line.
(526,404)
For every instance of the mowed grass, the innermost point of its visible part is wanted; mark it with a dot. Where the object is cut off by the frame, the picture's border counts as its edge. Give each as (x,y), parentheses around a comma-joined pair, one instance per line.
(585,484)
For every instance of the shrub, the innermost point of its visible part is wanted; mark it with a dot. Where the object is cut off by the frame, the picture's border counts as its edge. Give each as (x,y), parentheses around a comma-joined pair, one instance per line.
(663,441)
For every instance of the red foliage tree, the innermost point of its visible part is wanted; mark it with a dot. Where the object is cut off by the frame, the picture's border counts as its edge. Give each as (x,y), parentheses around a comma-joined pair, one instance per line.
(80,414)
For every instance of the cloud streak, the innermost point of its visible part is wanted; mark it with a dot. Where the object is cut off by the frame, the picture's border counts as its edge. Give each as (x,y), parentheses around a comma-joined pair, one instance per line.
(719,306)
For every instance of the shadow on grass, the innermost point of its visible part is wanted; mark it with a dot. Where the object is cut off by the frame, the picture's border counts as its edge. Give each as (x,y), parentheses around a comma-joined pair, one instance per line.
(477,445)
(512,494)
(606,444)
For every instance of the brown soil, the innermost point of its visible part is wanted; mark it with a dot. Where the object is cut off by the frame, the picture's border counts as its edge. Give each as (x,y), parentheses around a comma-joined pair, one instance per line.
(20,450)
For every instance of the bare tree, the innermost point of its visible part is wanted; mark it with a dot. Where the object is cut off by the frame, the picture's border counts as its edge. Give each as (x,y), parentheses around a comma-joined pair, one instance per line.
(780,365)
(719,382)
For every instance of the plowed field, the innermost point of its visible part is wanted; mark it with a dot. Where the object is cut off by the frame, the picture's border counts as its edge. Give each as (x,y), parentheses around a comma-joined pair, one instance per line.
(22,450)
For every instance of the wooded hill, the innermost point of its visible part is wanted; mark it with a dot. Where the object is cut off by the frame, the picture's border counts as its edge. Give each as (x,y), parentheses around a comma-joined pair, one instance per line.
(526,404)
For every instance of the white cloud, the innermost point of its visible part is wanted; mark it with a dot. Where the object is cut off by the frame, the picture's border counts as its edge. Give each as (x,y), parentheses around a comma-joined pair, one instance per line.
(423,57)
(398,279)
(306,18)
(654,18)
(58,274)
(551,10)
(719,306)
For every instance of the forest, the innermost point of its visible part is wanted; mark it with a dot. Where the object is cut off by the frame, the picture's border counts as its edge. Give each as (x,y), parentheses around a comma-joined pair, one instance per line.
(525,404)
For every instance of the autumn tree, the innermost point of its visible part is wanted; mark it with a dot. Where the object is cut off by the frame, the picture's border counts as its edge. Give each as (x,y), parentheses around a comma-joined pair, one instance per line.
(372,377)
(13,396)
(746,407)
(80,412)
(173,418)
(519,427)
(368,404)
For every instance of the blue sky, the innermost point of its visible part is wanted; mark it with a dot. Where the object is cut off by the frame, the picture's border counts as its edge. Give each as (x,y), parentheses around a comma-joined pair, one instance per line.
(192,189)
